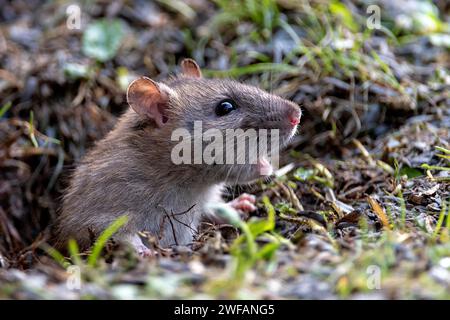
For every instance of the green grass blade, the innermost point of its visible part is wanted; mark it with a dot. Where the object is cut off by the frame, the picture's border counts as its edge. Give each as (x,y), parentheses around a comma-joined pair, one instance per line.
(56,255)
(270,213)
(428,167)
(252,69)
(403,210)
(74,251)
(103,238)
(5,108)
(447,223)
(442,149)
(440,221)
(31,133)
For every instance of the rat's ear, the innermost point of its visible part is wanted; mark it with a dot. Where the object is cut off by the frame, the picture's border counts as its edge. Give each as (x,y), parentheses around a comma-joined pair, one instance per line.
(190,68)
(148,99)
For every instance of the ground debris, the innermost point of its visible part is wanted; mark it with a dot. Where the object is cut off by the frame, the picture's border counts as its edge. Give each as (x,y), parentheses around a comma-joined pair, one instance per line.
(362,190)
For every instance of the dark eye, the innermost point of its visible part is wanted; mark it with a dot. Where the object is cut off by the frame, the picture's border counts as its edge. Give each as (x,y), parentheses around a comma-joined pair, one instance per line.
(225,107)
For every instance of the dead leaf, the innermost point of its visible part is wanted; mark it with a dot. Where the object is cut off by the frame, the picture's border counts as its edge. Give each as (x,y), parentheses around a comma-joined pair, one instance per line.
(379,212)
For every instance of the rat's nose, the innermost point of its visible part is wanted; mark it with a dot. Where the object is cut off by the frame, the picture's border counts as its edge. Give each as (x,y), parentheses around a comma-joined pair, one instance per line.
(294,114)
(294,120)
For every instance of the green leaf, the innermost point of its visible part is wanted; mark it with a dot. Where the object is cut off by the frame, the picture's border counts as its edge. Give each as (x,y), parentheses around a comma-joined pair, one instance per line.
(259,226)
(102,39)
(303,174)
(256,227)
(228,213)
(410,172)
(123,78)
(103,238)
(76,71)
(285,208)
(339,9)
(268,250)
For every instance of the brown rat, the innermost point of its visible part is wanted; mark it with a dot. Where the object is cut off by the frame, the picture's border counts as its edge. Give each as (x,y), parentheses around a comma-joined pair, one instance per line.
(131,170)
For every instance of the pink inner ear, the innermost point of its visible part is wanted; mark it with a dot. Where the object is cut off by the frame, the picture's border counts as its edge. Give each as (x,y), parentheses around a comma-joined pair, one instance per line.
(191,68)
(147,100)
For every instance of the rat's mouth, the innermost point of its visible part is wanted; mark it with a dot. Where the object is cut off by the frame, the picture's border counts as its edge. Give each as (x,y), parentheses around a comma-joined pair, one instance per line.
(289,135)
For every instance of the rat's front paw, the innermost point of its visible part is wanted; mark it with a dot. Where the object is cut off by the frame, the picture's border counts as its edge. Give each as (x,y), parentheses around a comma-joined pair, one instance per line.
(141,249)
(245,203)
(145,252)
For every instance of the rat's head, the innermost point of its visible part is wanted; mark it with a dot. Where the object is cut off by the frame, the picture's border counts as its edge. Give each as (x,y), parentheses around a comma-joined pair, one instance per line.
(216,106)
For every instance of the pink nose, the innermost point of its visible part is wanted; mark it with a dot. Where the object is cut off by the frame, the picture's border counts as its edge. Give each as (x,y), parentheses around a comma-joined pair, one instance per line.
(294,121)
(293,114)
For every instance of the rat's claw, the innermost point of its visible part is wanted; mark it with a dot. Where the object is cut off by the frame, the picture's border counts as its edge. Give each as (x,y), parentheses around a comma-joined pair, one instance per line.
(245,206)
(145,252)
(245,202)
(249,197)
(142,250)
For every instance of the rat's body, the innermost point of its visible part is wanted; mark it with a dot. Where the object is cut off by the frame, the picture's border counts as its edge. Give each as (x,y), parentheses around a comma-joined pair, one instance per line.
(130,172)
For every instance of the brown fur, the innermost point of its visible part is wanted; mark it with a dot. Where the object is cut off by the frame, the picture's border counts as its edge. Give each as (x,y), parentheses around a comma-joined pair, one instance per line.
(130,171)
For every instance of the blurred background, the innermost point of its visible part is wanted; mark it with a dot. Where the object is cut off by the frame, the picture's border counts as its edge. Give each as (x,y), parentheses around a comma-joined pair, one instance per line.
(359,69)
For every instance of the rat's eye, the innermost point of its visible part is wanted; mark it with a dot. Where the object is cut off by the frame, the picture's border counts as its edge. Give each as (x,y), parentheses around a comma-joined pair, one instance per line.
(225,107)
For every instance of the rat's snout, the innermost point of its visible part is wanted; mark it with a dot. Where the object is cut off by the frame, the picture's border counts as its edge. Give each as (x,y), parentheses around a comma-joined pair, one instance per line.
(294,120)
(293,114)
